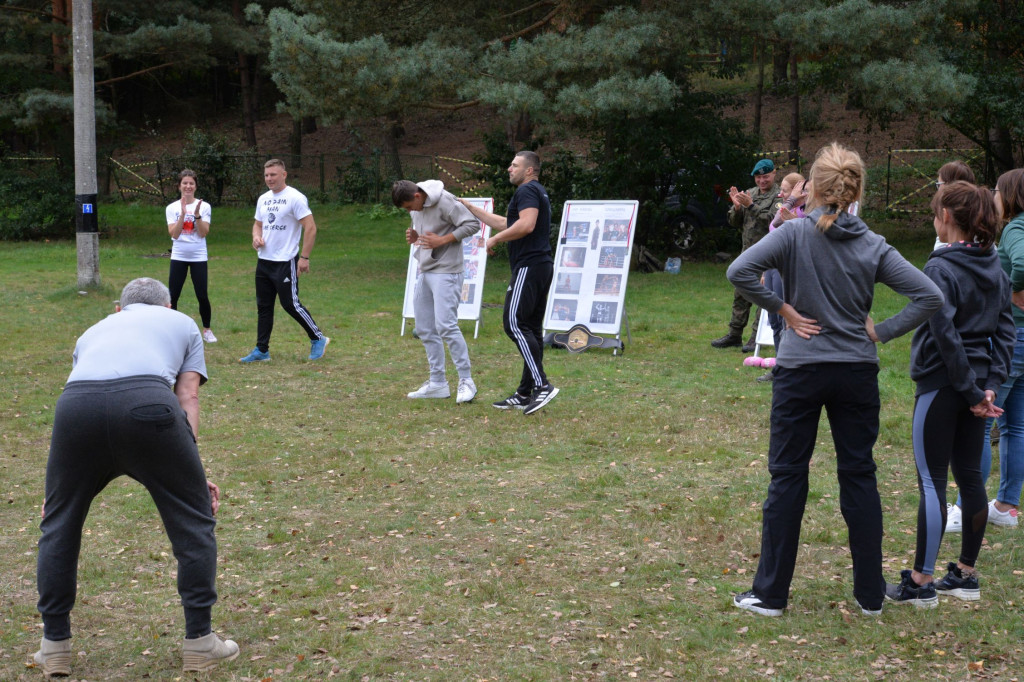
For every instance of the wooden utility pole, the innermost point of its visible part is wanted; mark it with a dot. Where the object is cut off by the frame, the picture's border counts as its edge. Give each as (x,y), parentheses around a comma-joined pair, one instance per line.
(86,223)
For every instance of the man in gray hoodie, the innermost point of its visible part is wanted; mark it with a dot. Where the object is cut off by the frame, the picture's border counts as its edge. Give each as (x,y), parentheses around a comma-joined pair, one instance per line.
(439,224)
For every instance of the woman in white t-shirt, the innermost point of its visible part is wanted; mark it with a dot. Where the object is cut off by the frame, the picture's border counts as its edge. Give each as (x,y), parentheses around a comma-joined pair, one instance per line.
(188,222)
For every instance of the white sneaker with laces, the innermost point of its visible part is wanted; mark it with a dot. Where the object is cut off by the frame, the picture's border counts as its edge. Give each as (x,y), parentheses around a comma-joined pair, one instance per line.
(466,391)
(1001,518)
(430,390)
(954,519)
(208,336)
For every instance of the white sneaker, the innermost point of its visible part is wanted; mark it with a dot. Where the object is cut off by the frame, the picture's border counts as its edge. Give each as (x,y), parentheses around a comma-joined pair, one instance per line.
(1001,518)
(466,391)
(954,519)
(208,336)
(429,390)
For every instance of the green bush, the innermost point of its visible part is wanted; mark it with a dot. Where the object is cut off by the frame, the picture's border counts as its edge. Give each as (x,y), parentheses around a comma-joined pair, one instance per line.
(37,200)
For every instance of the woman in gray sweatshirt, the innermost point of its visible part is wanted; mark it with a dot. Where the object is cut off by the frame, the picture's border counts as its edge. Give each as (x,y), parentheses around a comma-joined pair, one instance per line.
(829,262)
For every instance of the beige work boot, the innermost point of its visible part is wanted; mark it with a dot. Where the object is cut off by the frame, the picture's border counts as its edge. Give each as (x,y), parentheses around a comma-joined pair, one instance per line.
(205,652)
(54,657)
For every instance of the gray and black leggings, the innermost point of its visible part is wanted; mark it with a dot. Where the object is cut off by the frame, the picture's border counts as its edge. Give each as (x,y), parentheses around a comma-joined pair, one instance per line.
(947,436)
(133,427)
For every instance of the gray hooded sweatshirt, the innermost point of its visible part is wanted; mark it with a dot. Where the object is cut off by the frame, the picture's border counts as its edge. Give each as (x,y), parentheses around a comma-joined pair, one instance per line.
(830,277)
(442,214)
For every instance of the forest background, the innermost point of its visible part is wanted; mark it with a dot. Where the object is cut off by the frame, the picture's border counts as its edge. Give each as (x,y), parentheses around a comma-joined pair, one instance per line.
(663,102)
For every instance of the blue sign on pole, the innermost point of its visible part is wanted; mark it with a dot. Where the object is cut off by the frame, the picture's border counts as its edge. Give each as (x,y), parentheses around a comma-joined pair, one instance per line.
(86,208)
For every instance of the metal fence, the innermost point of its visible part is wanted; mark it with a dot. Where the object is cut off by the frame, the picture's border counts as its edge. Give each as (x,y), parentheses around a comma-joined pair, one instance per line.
(336,178)
(910,175)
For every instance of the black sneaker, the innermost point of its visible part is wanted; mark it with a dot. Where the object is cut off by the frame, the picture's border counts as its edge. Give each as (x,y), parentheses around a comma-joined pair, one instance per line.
(955,584)
(541,397)
(748,601)
(515,401)
(727,341)
(909,592)
(767,377)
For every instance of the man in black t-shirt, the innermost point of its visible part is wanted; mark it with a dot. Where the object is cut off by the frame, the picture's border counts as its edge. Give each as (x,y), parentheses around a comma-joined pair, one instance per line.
(527,229)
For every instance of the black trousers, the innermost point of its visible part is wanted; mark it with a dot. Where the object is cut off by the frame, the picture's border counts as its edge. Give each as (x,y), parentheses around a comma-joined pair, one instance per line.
(849,394)
(280,280)
(176,282)
(523,319)
(134,427)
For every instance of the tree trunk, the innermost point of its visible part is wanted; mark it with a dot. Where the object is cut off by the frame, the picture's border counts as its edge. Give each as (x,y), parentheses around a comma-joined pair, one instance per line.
(245,83)
(254,66)
(794,113)
(520,132)
(308,125)
(60,18)
(393,131)
(1001,145)
(295,143)
(758,90)
(780,61)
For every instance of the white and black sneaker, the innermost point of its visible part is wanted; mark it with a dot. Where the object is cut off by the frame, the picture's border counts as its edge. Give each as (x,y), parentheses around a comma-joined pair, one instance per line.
(750,602)
(514,401)
(541,397)
(958,585)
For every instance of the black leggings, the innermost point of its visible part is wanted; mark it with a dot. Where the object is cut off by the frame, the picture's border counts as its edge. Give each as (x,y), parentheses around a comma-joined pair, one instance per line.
(176,281)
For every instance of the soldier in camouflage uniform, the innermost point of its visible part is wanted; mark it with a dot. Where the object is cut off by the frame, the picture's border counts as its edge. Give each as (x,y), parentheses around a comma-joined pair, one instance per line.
(753,211)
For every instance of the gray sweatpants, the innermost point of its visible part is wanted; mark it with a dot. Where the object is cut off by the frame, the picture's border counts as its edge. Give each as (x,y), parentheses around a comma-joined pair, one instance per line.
(134,427)
(436,306)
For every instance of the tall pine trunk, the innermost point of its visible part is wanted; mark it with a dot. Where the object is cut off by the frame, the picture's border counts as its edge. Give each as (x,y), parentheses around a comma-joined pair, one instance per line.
(794,111)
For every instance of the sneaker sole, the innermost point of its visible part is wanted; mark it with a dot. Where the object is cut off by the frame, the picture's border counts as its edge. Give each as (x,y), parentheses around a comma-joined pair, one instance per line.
(530,409)
(760,610)
(465,400)
(927,603)
(197,662)
(249,362)
(955,529)
(1002,524)
(962,593)
(504,406)
(420,397)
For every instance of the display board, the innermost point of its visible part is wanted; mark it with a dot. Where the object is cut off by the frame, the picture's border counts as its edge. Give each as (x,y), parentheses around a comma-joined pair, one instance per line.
(474,253)
(595,243)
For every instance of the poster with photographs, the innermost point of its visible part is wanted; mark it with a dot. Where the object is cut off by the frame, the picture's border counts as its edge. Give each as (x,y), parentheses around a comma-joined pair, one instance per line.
(591,266)
(474,253)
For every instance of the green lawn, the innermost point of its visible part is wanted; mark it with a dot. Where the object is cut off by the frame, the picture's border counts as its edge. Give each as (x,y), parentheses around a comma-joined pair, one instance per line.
(364,536)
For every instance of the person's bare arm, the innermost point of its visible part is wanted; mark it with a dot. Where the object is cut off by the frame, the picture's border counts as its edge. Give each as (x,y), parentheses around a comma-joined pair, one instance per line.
(525,225)
(257,234)
(202,226)
(492,220)
(308,240)
(186,388)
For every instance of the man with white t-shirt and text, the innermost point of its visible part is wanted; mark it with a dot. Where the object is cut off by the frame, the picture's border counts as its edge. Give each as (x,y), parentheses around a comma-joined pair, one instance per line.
(282,219)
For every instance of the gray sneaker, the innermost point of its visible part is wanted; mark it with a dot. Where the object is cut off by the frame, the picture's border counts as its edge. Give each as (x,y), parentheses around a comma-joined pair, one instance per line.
(466,391)
(203,653)
(429,390)
(54,657)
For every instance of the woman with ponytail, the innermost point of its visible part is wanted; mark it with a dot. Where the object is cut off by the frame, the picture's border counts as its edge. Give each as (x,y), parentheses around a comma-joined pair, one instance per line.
(958,360)
(830,262)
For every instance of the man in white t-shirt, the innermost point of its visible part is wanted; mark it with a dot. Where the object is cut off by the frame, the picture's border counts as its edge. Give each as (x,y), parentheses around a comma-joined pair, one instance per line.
(282,219)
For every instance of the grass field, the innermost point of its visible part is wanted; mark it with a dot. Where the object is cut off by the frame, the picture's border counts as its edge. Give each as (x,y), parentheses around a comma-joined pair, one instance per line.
(364,536)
